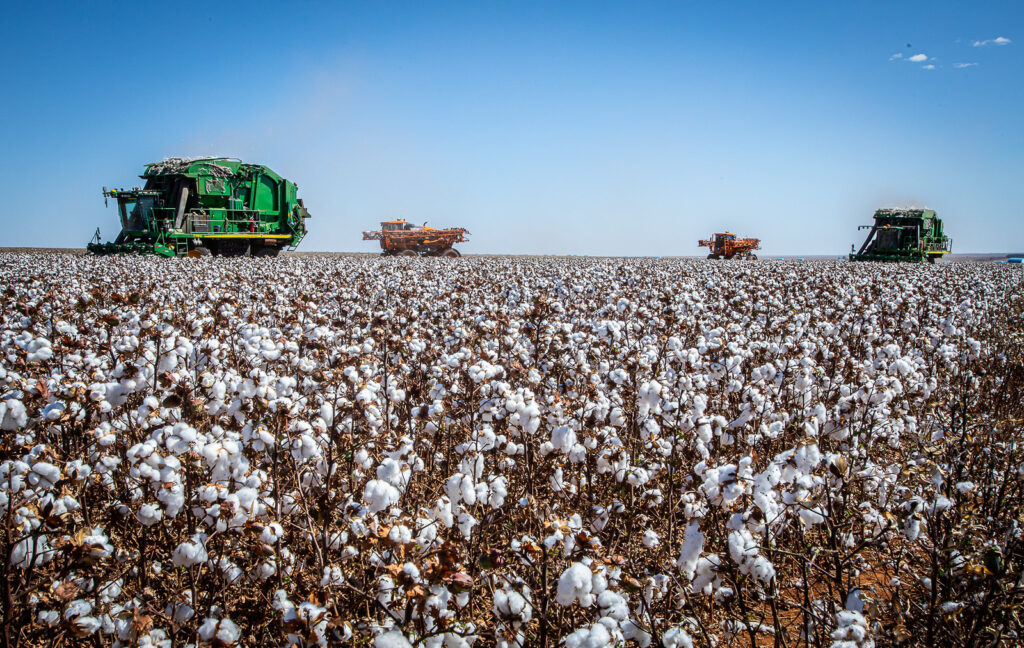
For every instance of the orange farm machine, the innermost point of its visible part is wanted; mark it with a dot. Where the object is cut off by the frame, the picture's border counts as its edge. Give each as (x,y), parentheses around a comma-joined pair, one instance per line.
(402,238)
(725,245)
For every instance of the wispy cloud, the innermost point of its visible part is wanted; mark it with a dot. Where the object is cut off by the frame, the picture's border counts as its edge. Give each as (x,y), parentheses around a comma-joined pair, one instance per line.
(961,66)
(992,41)
(915,58)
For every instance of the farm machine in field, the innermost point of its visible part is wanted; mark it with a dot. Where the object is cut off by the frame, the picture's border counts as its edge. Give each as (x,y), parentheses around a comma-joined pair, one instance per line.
(725,245)
(402,238)
(206,206)
(912,235)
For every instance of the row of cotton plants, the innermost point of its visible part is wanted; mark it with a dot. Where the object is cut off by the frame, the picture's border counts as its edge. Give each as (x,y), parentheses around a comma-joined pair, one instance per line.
(319,450)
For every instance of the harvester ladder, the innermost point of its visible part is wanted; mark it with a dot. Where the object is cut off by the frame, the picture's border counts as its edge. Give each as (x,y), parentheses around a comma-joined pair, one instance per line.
(180,247)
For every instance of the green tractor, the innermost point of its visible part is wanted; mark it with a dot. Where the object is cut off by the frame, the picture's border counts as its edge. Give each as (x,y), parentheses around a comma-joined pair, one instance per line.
(206,206)
(913,235)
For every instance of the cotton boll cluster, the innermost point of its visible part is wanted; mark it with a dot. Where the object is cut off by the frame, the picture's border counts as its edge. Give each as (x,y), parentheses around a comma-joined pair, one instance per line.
(652,446)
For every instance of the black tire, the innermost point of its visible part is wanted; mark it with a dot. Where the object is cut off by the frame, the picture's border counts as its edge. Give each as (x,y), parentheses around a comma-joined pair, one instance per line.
(752,257)
(236,248)
(266,251)
(712,256)
(450,253)
(408,253)
(203,251)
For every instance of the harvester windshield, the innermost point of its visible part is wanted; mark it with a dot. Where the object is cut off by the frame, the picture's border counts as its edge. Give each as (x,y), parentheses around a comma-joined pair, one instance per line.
(136,212)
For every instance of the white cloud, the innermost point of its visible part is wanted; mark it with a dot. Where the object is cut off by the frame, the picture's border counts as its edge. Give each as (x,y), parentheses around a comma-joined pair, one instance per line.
(961,66)
(918,58)
(928,67)
(895,57)
(993,41)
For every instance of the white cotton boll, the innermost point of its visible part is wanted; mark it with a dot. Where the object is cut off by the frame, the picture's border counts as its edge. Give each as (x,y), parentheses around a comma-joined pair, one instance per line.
(762,569)
(617,418)
(271,533)
(498,492)
(633,632)
(149,514)
(77,608)
(54,410)
(810,516)
(742,546)
(48,618)
(393,472)
(379,495)
(513,606)
(706,571)
(466,524)
(223,631)
(28,552)
(693,545)
(965,487)
(912,528)
(44,475)
(939,504)
(575,584)
(85,626)
(181,612)
(613,605)
(603,634)
(191,553)
(650,539)
(12,414)
(400,534)
(563,438)
(807,457)
(676,637)
(332,576)
(851,630)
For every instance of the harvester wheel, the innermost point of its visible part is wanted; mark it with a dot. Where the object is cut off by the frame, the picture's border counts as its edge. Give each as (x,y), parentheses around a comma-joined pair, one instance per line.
(450,253)
(200,251)
(752,257)
(239,248)
(266,251)
(712,256)
(408,253)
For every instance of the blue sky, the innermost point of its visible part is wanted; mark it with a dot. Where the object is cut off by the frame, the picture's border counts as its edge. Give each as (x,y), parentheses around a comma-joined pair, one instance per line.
(618,128)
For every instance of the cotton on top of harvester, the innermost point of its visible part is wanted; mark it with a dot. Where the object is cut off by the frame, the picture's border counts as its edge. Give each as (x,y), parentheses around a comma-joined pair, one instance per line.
(725,245)
(402,238)
(204,206)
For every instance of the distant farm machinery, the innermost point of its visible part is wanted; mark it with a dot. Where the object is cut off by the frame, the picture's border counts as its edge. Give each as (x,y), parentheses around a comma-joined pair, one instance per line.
(725,245)
(913,235)
(402,238)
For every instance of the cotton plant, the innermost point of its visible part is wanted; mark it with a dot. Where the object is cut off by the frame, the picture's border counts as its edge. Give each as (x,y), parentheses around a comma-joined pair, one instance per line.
(654,435)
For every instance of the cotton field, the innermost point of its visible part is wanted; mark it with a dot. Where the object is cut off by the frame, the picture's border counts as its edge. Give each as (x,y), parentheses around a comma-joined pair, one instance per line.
(315,451)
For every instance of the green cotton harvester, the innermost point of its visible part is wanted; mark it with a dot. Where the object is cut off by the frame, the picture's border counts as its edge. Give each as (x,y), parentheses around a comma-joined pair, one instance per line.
(206,206)
(913,235)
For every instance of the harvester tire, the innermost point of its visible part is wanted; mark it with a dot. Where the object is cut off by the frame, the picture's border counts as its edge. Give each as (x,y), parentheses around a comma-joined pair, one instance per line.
(752,257)
(266,251)
(408,253)
(712,256)
(200,251)
(450,253)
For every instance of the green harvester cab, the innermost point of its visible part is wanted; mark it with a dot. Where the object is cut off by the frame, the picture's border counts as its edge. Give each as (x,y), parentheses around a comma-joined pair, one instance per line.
(912,235)
(206,206)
